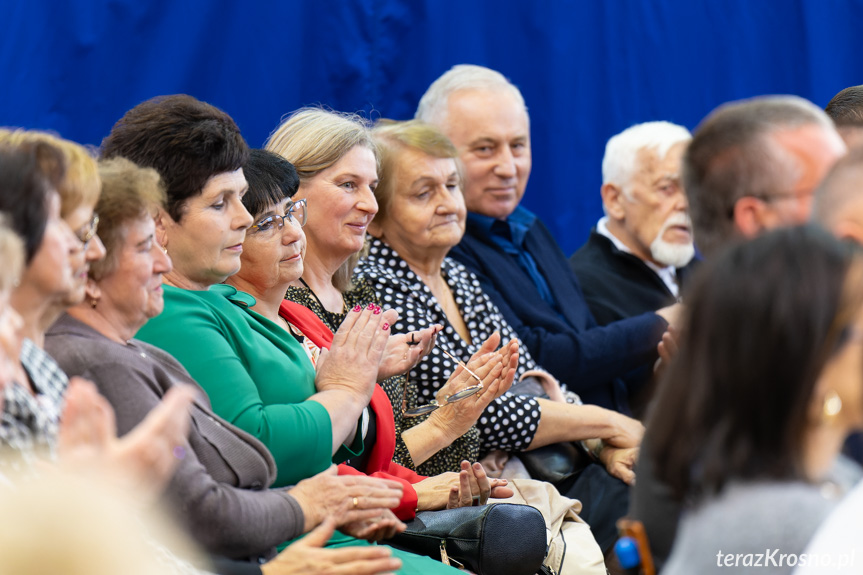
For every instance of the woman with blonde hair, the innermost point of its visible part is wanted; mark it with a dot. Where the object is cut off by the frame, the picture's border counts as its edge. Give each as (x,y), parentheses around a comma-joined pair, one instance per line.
(336,159)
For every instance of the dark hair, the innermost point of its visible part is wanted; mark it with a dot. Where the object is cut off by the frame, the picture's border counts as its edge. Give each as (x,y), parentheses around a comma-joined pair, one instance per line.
(846,107)
(732,155)
(271,179)
(762,320)
(28,174)
(129,193)
(187,141)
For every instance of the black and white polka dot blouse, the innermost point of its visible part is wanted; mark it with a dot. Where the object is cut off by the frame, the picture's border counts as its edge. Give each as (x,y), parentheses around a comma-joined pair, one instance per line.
(509,422)
(466,447)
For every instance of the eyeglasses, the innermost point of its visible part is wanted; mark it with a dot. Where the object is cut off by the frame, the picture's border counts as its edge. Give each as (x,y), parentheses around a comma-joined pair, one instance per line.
(88,230)
(295,212)
(798,196)
(779,196)
(434,404)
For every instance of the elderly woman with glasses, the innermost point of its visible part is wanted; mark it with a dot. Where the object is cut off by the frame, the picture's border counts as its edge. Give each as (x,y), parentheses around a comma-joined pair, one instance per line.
(272,259)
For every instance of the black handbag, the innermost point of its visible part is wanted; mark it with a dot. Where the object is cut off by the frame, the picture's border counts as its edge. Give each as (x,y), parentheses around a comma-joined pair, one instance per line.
(556,462)
(494,539)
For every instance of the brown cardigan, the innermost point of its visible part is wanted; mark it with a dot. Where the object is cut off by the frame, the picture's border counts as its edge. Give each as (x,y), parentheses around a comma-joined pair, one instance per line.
(220,488)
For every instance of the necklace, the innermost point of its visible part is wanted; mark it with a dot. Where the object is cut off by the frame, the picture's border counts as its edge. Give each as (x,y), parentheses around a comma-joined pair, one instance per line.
(332,319)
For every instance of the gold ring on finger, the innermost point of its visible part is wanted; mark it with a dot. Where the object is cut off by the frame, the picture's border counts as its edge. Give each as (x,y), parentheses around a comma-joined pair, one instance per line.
(356,502)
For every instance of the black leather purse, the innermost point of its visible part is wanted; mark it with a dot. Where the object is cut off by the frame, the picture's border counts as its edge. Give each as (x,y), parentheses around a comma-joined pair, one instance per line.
(494,539)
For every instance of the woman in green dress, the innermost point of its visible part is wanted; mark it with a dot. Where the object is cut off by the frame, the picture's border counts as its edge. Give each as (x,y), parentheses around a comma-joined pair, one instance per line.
(210,328)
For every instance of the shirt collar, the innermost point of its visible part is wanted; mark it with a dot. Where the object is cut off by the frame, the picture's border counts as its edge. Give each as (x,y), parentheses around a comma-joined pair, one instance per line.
(668,274)
(514,228)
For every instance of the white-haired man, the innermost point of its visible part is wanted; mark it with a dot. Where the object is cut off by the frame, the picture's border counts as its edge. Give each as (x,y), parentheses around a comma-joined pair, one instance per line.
(515,257)
(637,257)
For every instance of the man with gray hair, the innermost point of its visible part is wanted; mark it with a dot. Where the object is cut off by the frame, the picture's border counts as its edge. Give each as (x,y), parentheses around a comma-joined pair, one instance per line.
(517,260)
(637,257)
(753,165)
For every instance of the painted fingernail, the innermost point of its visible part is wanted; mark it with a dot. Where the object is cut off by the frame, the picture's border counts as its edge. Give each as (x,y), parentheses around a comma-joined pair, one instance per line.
(386,326)
(371,306)
(358,308)
(377,311)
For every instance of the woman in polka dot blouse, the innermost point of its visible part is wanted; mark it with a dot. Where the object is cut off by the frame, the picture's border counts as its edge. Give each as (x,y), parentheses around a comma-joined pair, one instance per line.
(421,216)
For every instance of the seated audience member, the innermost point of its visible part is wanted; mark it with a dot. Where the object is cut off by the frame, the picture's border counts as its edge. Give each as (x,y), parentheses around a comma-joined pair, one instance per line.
(421,216)
(272,259)
(515,257)
(846,111)
(335,157)
(32,517)
(220,483)
(43,413)
(39,392)
(78,190)
(753,165)
(767,383)
(226,346)
(637,257)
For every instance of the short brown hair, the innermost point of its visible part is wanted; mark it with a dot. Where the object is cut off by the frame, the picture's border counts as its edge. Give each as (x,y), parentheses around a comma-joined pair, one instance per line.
(187,141)
(392,138)
(129,192)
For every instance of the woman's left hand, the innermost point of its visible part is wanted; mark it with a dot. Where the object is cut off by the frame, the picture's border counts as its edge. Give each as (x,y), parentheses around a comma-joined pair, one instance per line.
(377,529)
(405,350)
(471,486)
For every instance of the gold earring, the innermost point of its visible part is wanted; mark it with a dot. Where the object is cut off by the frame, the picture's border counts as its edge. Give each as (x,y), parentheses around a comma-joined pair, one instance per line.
(832,405)
(93,302)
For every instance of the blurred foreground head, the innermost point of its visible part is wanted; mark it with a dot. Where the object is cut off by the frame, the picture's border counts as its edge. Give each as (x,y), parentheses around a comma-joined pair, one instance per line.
(773,334)
(66,524)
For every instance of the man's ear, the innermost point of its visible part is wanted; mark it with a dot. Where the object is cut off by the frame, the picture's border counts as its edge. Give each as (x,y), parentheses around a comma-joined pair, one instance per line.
(612,200)
(751,216)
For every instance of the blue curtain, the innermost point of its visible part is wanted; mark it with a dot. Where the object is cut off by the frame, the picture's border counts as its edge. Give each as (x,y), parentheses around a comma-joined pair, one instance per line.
(588,69)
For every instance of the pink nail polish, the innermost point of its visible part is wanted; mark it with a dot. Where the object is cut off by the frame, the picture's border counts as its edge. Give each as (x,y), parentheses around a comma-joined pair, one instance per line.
(386,326)
(358,308)
(377,310)
(371,306)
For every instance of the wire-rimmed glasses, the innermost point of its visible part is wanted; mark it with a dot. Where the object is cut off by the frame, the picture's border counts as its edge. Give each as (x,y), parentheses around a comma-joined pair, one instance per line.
(434,404)
(295,213)
(87,231)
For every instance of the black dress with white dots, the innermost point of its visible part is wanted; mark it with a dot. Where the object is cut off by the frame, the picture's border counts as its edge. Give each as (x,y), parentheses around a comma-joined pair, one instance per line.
(466,447)
(509,422)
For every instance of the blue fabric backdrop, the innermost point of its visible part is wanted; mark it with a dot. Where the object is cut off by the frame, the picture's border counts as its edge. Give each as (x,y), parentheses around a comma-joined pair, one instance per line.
(588,69)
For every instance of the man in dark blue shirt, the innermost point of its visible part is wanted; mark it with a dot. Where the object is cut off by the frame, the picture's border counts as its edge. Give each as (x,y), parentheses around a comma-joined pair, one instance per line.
(516,258)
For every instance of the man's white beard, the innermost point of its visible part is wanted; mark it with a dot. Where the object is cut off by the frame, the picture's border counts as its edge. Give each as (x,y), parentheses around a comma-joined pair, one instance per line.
(673,254)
